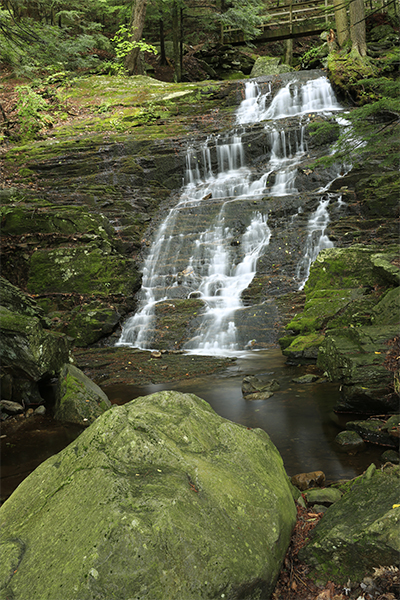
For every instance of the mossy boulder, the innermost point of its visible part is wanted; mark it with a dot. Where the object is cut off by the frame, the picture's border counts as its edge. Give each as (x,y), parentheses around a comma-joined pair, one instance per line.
(269,65)
(15,300)
(360,531)
(355,356)
(160,497)
(28,348)
(30,354)
(79,400)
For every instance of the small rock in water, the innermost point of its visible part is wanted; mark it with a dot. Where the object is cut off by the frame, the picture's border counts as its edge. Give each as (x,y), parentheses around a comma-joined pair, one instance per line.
(11,408)
(41,410)
(258,388)
(350,441)
(308,378)
(391,456)
(258,396)
(156,354)
(304,481)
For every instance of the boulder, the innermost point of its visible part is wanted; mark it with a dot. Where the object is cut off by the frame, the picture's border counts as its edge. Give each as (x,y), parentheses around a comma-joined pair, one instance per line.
(303,481)
(374,431)
(360,531)
(79,399)
(159,498)
(259,388)
(350,441)
(322,496)
(269,65)
(29,354)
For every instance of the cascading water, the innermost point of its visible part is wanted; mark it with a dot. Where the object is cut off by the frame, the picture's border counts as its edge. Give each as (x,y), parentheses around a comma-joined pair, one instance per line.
(316,241)
(209,244)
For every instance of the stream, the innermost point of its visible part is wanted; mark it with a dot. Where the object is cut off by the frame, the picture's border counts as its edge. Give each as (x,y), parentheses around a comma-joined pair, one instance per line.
(209,248)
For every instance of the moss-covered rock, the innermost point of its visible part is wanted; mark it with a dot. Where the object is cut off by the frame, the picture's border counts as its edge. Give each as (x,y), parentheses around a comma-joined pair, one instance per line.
(28,348)
(158,497)
(360,531)
(79,400)
(355,356)
(269,65)
(87,269)
(351,312)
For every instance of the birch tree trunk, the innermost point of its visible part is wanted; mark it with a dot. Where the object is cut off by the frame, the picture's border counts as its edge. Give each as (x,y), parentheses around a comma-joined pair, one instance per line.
(133,64)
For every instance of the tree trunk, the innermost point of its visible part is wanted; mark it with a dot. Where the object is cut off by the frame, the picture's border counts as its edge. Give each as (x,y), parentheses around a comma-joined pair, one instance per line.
(357,27)
(289,52)
(163,58)
(176,44)
(133,63)
(341,21)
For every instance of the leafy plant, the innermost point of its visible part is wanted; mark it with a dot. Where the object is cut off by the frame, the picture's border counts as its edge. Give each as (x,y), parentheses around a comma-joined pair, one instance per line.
(32,113)
(123,45)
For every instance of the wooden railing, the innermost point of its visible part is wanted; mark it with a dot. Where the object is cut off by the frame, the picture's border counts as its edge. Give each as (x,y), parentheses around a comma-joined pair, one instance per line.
(310,16)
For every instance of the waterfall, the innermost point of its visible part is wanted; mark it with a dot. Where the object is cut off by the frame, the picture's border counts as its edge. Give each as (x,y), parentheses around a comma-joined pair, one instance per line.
(316,241)
(209,244)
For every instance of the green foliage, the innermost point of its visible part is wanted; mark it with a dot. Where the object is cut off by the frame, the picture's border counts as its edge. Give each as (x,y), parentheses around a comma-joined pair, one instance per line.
(34,48)
(123,45)
(244,15)
(31,109)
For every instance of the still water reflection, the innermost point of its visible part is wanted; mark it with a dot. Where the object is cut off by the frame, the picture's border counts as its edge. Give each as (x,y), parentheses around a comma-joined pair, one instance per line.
(299,418)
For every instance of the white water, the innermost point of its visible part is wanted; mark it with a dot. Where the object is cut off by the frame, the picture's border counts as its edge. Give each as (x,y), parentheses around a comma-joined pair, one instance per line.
(316,241)
(210,259)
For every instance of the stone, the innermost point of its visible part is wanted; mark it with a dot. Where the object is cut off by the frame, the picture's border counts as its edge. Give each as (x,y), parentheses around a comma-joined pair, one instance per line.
(359,532)
(269,65)
(29,354)
(259,386)
(374,431)
(323,496)
(160,497)
(40,410)
(350,441)
(11,408)
(390,456)
(303,481)
(79,399)
(307,378)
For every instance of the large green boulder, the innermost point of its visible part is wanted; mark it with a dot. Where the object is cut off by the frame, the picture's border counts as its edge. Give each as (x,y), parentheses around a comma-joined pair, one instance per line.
(159,498)
(360,531)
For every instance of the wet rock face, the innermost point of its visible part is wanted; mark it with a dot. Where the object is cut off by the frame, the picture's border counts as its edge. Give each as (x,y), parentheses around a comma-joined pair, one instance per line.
(160,494)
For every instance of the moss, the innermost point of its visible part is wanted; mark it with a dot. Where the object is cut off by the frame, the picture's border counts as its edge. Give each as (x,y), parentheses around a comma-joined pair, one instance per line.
(323,133)
(88,269)
(302,345)
(347,70)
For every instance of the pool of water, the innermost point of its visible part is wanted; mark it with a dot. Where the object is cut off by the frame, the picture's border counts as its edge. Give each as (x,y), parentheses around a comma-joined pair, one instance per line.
(299,418)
